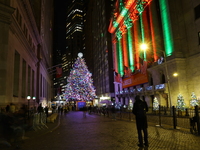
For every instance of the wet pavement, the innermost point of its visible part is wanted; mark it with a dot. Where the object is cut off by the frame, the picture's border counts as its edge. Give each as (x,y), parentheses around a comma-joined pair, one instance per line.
(73,131)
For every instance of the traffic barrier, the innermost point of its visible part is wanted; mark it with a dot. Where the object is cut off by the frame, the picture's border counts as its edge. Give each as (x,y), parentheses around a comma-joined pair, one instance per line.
(39,121)
(52,118)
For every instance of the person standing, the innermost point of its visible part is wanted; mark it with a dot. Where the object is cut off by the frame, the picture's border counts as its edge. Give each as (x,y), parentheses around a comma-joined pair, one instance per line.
(113,111)
(90,109)
(7,108)
(40,109)
(61,110)
(12,108)
(139,110)
(46,111)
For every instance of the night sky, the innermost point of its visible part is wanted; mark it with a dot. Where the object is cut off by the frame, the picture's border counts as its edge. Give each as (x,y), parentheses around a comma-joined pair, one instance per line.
(60,7)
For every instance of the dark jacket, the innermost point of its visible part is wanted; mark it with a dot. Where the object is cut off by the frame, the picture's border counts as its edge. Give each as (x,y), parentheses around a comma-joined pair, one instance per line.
(139,110)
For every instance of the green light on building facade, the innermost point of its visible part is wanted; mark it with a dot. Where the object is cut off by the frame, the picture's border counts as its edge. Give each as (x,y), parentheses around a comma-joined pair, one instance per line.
(142,36)
(120,54)
(167,32)
(120,58)
(130,50)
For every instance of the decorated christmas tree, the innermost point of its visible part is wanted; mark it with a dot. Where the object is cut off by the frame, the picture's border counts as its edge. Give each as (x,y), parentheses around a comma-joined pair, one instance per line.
(69,93)
(80,83)
(155,104)
(194,101)
(180,103)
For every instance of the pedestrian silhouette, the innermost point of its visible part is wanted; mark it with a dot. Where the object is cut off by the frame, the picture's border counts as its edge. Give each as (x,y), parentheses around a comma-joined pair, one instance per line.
(139,110)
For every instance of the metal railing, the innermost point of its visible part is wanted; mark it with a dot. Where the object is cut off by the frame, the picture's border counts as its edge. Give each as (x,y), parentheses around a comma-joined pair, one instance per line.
(173,117)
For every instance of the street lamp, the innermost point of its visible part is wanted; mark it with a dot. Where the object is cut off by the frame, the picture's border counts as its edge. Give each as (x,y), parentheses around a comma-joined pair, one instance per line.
(144,48)
(175,74)
(28,98)
(34,103)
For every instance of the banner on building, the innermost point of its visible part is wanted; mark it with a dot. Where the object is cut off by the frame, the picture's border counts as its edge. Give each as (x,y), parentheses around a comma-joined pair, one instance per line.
(58,72)
(135,79)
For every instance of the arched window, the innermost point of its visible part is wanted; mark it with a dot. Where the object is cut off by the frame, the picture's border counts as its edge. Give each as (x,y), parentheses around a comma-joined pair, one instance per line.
(163,80)
(150,80)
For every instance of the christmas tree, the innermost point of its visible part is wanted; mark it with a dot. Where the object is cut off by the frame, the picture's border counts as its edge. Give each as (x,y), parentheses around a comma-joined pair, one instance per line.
(194,101)
(155,104)
(69,93)
(80,83)
(180,102)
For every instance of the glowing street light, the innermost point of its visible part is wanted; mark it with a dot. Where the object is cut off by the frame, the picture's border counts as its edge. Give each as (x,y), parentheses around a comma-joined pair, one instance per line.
(175,74)
(34,103)
(28,98)
(143,47)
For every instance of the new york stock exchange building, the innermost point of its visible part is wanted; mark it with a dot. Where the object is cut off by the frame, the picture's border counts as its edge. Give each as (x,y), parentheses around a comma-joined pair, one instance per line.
(156,51)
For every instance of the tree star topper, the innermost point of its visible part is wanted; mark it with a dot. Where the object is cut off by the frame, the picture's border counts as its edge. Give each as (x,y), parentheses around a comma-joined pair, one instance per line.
(80,55)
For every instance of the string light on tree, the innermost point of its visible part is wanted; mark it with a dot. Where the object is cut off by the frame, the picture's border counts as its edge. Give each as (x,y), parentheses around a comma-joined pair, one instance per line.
(194,101)
(155,104)
(80,83)
(180,102)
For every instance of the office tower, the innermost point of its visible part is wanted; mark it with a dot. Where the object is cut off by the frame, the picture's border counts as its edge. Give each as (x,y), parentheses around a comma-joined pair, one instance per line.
(99,48)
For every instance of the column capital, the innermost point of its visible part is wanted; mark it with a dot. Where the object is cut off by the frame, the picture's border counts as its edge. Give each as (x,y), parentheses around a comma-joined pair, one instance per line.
(128,22)
(118,34)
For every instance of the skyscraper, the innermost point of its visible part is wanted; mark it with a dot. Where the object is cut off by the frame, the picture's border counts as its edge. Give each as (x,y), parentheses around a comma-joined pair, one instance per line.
(74,29)
(99,47)
(74,42)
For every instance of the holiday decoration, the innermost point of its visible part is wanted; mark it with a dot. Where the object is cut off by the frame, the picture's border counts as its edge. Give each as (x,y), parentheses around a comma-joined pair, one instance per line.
(80,83)
(155,104)
(194,101)
(180,103)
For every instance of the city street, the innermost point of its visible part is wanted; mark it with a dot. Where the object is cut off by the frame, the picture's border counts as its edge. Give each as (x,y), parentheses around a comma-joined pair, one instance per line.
(74,132)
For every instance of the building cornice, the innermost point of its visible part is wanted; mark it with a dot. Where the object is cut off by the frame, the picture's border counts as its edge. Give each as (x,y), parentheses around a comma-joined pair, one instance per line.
(5,13)
(30,20)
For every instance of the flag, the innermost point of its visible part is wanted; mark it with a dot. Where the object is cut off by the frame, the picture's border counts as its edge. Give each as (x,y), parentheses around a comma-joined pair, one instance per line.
(58,72)
(117,77)
(127,71)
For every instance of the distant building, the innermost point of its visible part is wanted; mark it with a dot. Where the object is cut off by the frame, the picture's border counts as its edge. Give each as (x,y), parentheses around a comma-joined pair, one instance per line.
(74,42)
(171,32)
(25,51)
(99,56)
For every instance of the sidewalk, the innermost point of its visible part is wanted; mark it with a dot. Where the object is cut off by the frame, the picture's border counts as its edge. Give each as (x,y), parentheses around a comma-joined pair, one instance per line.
(51,127)
(95,132)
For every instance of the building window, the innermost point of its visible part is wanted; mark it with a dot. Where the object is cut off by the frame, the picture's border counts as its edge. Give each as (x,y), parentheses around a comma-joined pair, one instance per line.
(197,12)
(151,80)
(163,79)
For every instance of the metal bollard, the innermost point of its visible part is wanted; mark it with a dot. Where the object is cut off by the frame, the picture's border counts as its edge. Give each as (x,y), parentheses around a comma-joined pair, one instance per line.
(159,115)
(197,119)
(174,117)
(186,112)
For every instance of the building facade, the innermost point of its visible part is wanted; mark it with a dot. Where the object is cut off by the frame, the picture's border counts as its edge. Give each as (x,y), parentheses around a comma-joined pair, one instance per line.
(156,47)
(26,52)
(99,47)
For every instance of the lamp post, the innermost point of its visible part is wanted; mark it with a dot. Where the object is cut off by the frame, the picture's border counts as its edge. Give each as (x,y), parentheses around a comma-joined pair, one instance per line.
(34,104)
(144,48)
(28,98)
(168,83)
